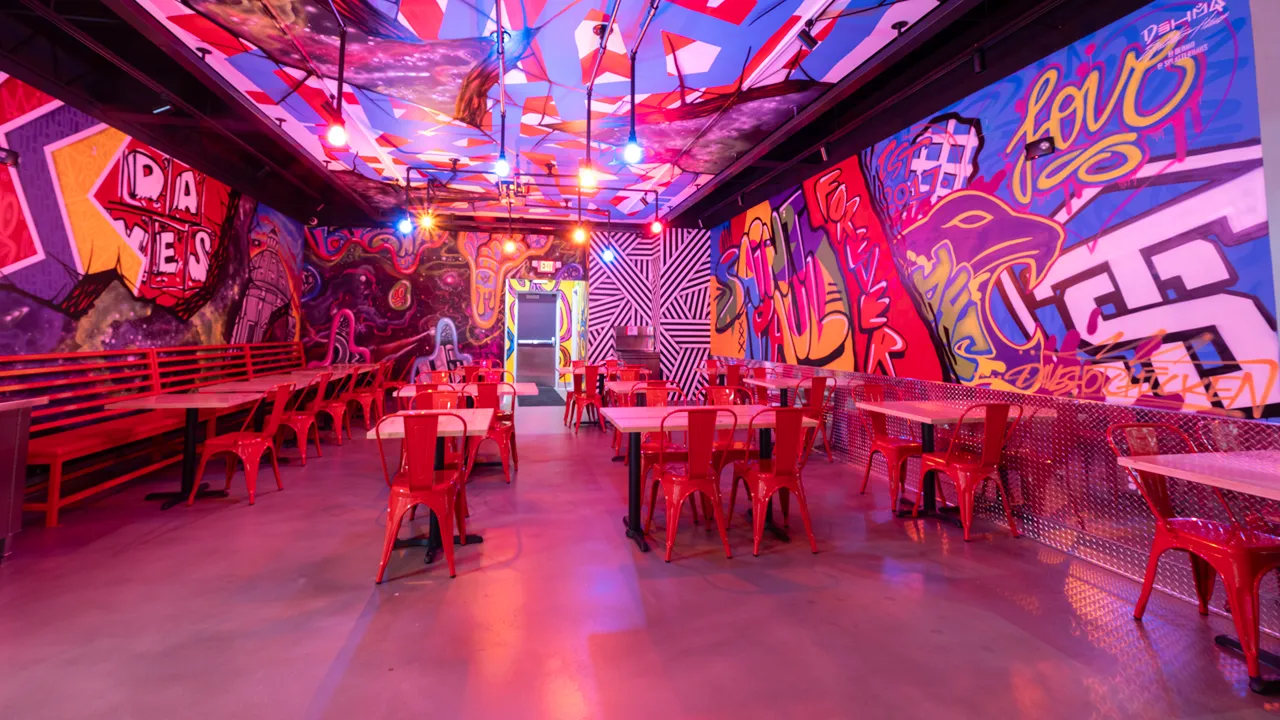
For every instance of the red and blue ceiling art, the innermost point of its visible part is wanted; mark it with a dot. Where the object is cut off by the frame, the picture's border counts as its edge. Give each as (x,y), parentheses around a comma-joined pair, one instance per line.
(713,79)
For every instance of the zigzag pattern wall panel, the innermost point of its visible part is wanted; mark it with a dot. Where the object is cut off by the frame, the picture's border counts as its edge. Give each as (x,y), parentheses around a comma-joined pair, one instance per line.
(683,300)
(620,291)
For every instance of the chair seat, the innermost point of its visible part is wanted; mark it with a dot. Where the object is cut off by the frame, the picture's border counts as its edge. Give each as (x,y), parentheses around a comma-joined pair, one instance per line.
(235,440)
(1223,535)
(898,444)
(961,461)
(443,480)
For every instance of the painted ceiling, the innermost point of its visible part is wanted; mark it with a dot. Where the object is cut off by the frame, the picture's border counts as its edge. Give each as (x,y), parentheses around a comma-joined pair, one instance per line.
(713,79)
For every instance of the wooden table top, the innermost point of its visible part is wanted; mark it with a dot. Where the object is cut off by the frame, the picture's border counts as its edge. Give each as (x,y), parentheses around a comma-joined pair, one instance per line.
(649,419)
(187,401)
(258,384)
(7,405)
(922,411)
(1255,472)
(477,420)
(773,383)
(521,388)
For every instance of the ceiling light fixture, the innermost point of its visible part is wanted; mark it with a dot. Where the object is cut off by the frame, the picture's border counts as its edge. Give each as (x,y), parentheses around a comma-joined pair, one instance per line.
(405,225)
(579,235)
(501,168)
(806,36)
(337,133)
(586,174)
(656,226)
(608,255)
(161,109)
(509,247)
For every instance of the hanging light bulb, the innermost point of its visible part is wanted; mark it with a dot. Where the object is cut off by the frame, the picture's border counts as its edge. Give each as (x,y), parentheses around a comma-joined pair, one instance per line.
(509,247)
(502,168)
(427,221)
(632,153)
(337,135)
(587,177)
(579,235)
(655,227)
(405,225)
(607,255)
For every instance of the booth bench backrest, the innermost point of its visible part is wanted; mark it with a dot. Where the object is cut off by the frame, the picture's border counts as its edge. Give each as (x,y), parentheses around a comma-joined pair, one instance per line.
(80,384)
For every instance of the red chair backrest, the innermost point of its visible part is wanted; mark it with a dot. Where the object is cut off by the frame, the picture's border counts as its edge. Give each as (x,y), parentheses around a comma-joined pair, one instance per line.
(712,364)
(700,436)
(278,396)
(488,394)
(590,379)
(733,375)
(995,429)
(436,400)
(815,389)
(1129,439)
(418,449)
(309,400)
(656,393)
(727,395)
(868,392)
(439,377)
(788,438)
(629,374)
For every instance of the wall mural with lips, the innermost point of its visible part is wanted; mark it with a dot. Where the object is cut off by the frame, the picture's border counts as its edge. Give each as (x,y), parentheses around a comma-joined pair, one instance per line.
(712,80)
(1131,265)
(372,293)
(108,243)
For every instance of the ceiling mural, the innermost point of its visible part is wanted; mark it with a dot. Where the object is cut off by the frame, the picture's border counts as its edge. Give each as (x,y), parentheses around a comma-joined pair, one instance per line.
(422,94)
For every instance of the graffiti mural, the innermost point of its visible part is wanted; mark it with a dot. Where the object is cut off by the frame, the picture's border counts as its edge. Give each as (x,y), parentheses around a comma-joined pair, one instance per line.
(106,242)
(373,293)
(1130,264)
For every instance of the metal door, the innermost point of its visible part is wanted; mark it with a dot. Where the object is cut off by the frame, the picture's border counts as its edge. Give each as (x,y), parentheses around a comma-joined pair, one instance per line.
(537,337)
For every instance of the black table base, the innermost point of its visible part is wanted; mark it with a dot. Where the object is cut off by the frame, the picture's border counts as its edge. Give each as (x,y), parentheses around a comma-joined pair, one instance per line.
(190,439)
(1259,685)
(929,490)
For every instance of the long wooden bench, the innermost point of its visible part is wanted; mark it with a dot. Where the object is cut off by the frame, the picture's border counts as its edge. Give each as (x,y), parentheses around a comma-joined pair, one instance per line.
(76,425)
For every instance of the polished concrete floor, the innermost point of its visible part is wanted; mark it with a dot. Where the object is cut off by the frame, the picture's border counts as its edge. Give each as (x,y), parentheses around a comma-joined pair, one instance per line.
(229,611)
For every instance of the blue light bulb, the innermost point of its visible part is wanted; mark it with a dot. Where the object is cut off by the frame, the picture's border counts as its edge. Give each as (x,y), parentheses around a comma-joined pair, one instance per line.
(405,225)
(607,255)
(502,168)
(632,153)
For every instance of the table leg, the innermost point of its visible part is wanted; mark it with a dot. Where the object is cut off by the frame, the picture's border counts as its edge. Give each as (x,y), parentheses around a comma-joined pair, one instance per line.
(782,395)
(640,402)
(631,522)
(929,489)
(766,453)
(190,440)
(1259,685)
(432,541)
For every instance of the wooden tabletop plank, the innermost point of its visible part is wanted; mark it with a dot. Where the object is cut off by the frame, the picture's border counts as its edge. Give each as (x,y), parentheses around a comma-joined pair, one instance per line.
(649,419)
(258,384)
(7,405)
(521,388)
(188,401)
(773,383)
(477,420)
(1254,472)
(921,411)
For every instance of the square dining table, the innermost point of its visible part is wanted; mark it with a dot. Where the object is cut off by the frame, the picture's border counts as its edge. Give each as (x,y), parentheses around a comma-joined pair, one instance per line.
(783,385)
(255,385)
(472,428)
(520,388)
(192,403)
(635,421)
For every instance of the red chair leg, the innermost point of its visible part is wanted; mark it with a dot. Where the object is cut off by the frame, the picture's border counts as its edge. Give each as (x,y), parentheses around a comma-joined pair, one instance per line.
(195,487)
(395,514)
(804,518)
(653,502)
(231,469)
(759,509)
(674,504)
(444,516)
(866,475)
(1008,507)
(717,510)
(275,467)
(1243,595)
(1204,576)
(826,444)
(1148,579)
(314,427)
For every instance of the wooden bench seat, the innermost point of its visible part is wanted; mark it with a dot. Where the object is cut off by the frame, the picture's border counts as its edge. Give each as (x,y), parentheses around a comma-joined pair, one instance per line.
(79,424)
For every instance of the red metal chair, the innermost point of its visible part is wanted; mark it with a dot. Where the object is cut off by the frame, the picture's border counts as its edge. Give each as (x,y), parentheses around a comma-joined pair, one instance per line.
(819,393)
(971,466)
(762,478)
(733,375)
(1241,553)
(488,395)
(657,393)
(435,377)
(893,448)
(588,396)
(333,406)
(369,395)
(761,393)
(300,415)
(690,471)
(418,482)
(571,397)
(247,445)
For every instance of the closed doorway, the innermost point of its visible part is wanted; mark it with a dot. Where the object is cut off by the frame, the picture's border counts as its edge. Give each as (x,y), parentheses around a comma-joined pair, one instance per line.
(537,337)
